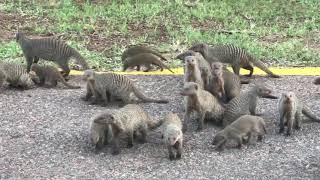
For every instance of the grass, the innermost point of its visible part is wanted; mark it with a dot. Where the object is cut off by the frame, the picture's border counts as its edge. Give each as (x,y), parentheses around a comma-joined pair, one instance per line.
(283,33)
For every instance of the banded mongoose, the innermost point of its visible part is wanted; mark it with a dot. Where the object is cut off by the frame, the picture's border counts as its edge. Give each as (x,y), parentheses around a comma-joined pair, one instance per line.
(192,72)
(291,110)
(50,49)
(204,66)
(244,126)
(317,81)
(237,57)
(146,59)
(245,103)
(16,75)
(51,75)
(224,83)
(103,86)
(127,120)
(172,135)
(132,51)
(201,101)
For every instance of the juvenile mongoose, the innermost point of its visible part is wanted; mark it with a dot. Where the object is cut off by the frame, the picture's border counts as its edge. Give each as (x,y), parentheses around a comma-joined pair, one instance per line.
(144,59)
(237,57)
(192,72)
(132,51)
(16,75)
(244,126)
(102,86)
(224,83)
(205,104)
(172,135)
(317,81)
(50,49)
(204,66)
(291,110)
(245,103)
(126,120)
(51,75)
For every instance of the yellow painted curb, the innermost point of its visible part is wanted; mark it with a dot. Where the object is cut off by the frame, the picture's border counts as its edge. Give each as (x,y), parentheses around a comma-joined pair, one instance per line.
(292,71)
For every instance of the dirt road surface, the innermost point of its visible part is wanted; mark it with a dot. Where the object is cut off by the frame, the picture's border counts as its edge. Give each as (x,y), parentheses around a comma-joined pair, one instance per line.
(44,134)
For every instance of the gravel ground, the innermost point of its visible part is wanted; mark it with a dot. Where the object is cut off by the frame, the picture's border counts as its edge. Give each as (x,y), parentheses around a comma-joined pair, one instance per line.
(44,134)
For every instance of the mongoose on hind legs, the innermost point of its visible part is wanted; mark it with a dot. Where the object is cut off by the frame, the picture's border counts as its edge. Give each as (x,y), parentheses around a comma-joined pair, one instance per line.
(51,75)
(204,66)
(146,59)
(237,57)
(244,126)
(172,135)
(205,104)
(245,103)
(50,49)
(102,86)
(126,120)
(291,110)
(192,72)
(224,84)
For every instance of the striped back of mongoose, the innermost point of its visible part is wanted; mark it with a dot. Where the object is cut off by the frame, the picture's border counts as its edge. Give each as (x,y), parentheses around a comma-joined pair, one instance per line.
(119,86)
(236,56)
(50,49)
(144,59)
(50,74)
(291,110)
(16,75)
(172,135)
(192,71)
(132,51)
(204,67)
(245,103)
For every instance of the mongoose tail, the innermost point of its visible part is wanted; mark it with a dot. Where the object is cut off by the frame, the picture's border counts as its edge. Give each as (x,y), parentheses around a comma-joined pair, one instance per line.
(148,99)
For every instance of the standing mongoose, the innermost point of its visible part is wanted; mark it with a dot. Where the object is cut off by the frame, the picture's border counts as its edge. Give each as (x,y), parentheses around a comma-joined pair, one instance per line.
(172,135)
(237,57)
(110,84)
(317,81)
(144,59)
(16,75)
(127,120)
(192,72)
(224,82)
(244,126)
(50,49)
(204,66)
(132,51)
(245,103)
(201,101)
(51,75)
(291,110)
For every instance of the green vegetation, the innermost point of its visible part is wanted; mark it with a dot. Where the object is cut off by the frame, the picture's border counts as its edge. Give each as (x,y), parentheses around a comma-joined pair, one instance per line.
(281,32)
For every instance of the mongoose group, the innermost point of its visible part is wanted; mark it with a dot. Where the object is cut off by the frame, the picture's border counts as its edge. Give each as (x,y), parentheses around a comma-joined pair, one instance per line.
(210,90)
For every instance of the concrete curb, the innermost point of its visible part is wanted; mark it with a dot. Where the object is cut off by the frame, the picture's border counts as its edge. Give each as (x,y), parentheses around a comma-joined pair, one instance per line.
(285,71)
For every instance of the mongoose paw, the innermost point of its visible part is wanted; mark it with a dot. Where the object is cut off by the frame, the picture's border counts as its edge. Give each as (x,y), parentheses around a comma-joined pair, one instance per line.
(298,128)
(171,157)
(84,98)
(130,145)
(288,134)
(115,152)
(200,128)
(281,130)
(239,146)
(178,156)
